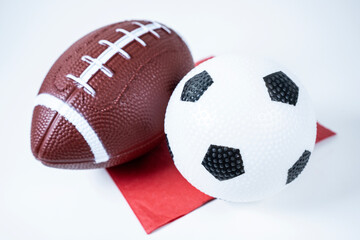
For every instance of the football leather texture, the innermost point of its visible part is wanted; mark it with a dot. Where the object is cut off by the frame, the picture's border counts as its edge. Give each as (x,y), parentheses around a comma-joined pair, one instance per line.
(103,101)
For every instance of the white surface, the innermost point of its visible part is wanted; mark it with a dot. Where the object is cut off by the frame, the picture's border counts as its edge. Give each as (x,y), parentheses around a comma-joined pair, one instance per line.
(236,111)
(318,39)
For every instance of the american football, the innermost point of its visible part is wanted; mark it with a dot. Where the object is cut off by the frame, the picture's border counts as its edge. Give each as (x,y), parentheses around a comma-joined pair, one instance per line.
(103,101)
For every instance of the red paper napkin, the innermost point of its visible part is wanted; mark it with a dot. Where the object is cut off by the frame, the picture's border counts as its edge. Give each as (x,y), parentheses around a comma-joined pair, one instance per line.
(155,190)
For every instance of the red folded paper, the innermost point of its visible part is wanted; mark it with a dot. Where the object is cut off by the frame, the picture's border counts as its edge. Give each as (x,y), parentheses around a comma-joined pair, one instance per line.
(157,192)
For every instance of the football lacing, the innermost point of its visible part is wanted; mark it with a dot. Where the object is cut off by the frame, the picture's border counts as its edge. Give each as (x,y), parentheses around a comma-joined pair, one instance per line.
(147,29)
(82,83)
(98,64)
(131,35)
(158,25)
(121,51)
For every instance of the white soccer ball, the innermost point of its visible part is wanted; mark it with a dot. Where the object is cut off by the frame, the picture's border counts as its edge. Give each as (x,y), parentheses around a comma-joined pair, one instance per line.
(240,129)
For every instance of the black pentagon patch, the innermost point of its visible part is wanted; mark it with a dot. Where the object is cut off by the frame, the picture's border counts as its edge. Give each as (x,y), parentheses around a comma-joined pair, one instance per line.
(168,145)
(196,86)
(281,88)
(223,162)
(298,167)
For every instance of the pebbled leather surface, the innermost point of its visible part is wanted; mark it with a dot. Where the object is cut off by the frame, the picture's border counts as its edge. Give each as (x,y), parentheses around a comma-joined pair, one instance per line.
(127,112)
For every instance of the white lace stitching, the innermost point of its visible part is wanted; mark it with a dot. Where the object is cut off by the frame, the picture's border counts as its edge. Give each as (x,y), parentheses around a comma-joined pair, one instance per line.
(82,83)
(131,35)
(98,64)
(120,50)
(158,25)
(147,29)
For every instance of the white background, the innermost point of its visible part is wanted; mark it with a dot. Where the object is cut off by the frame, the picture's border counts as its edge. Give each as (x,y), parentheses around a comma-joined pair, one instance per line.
(317,40)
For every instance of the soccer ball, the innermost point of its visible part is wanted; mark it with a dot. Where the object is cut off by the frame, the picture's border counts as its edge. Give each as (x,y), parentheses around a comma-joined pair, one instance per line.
(239,128)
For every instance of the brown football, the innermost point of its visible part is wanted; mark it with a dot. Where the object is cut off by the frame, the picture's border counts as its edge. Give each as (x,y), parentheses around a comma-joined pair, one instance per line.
(103,101)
